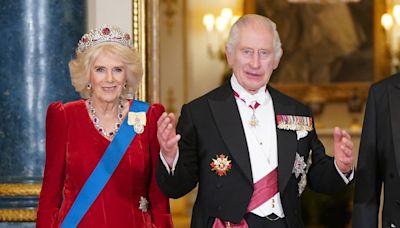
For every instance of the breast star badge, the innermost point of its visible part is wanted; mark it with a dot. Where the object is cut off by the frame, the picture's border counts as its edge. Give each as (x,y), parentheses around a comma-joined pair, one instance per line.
(221,165)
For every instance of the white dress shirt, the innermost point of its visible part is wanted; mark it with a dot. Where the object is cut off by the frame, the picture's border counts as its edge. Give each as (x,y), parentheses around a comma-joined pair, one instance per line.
(261,140)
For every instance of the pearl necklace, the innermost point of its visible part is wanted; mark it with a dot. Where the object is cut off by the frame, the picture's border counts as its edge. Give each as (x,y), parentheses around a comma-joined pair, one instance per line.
(96,120)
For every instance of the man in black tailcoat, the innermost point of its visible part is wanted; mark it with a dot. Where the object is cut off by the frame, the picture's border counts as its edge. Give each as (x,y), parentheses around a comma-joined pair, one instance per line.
(250,148)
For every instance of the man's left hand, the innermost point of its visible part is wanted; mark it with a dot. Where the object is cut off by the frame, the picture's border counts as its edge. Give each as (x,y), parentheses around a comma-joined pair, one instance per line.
(343,150)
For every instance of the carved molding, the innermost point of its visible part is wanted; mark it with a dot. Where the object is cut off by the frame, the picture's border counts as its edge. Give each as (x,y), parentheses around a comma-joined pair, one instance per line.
(153,51)
(170,11)
(20,189)
(145,30)
(17,215)
(325,93)
(139,40)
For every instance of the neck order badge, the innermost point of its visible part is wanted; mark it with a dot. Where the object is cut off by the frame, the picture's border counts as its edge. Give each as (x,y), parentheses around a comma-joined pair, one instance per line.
(253,122)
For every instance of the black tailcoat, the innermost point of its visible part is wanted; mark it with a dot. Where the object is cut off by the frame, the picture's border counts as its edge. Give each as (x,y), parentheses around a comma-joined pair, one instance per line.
(379,157)
(210,126)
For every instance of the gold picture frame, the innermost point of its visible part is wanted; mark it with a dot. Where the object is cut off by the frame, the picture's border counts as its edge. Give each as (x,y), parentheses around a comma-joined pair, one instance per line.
(340,91)
(145,29)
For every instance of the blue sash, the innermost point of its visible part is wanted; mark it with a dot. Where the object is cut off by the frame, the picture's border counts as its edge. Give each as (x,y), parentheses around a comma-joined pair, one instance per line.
(104,169)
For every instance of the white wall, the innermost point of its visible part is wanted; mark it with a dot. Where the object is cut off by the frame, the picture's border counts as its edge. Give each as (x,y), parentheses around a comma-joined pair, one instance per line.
(117,13)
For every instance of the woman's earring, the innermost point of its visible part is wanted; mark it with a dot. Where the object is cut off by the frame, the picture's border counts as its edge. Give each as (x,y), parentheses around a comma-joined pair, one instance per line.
(89,86)
(125,84)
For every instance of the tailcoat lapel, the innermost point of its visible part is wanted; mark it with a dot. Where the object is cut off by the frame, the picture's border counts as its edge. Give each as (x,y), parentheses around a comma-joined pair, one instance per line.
(286,139)
(394,102)
(227,118)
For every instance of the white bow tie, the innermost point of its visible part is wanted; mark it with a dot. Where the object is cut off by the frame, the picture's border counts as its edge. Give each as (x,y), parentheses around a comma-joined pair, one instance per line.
(252,99)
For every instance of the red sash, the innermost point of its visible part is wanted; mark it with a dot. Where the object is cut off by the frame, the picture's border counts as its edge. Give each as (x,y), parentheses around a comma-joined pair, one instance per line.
(264,190)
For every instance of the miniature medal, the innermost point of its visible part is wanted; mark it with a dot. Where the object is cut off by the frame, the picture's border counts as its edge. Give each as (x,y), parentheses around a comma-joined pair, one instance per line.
(294,123)
(138,120)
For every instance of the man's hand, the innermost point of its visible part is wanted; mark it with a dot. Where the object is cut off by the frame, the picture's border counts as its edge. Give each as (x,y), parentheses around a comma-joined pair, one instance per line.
(167,137)
(343,150)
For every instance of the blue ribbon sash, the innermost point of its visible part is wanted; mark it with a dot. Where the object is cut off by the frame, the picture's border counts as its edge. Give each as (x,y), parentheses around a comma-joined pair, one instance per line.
(104,169)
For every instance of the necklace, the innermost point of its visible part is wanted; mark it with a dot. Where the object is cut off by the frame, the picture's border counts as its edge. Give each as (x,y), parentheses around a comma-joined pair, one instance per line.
(96,120)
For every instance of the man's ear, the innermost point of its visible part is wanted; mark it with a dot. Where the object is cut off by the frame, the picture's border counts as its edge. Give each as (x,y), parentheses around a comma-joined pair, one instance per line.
(276,63)
(228,55)
(277,60)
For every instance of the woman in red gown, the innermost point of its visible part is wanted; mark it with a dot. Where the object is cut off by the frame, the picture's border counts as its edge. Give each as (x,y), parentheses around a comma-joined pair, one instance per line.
(106,72)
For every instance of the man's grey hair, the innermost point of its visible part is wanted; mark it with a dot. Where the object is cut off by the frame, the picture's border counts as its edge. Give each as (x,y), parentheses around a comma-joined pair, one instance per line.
(251,18)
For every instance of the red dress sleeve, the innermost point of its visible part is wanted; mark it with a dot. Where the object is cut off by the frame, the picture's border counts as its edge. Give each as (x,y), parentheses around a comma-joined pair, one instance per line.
(54,172)
(159,203)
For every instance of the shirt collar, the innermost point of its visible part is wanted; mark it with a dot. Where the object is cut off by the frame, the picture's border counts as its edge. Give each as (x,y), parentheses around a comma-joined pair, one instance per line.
(260,96)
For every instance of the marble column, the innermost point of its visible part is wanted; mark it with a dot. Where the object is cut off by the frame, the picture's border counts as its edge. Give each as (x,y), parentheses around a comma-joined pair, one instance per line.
(38,39)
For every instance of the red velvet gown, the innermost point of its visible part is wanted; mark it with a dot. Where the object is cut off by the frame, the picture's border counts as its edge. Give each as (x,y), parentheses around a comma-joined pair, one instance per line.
(73,149)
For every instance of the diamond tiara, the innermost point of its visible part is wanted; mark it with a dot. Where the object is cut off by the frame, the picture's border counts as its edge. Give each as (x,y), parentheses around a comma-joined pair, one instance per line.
(104,34)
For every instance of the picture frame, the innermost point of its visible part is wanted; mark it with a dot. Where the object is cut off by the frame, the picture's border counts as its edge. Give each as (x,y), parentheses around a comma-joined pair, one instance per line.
(327,89)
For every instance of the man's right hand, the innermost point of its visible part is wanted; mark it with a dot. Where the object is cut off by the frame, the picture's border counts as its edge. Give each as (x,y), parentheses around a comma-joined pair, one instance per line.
(167,137)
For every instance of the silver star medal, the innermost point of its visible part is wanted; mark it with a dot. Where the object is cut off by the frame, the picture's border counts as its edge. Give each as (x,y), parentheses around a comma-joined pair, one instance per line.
(303,178)
(143,204)
(299,165)
(302,183)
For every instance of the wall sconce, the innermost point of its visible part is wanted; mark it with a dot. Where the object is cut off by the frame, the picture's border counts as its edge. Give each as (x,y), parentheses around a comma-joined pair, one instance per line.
(390,21)
(217,32)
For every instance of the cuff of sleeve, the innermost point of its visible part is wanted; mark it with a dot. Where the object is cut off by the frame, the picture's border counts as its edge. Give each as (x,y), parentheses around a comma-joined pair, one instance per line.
(348,177)
(170,170)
